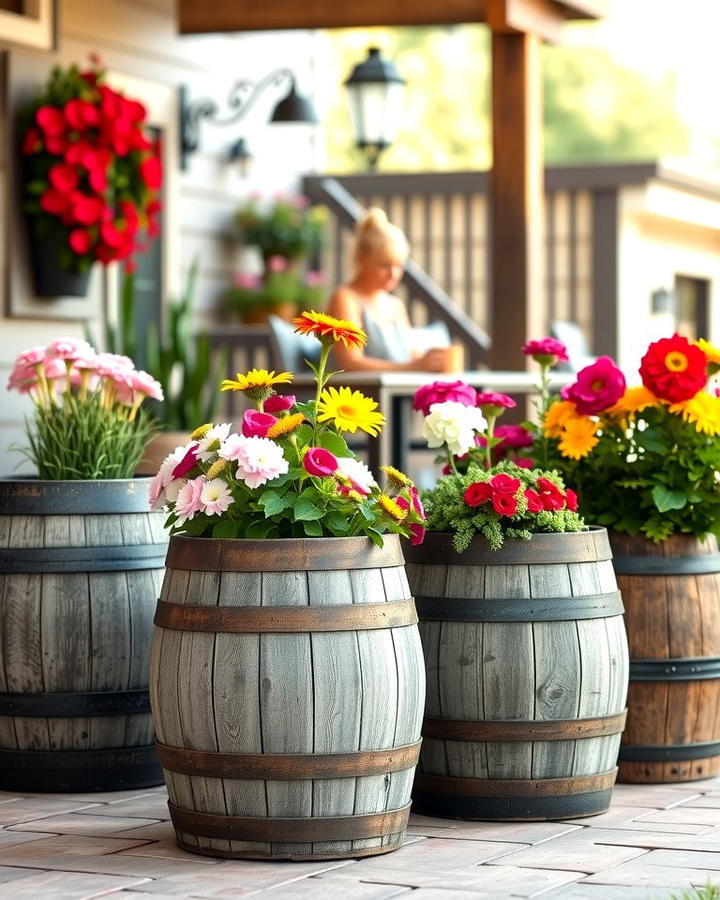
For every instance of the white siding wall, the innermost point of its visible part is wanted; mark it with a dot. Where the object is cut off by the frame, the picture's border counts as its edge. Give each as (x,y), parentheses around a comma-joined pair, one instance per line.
(138,38)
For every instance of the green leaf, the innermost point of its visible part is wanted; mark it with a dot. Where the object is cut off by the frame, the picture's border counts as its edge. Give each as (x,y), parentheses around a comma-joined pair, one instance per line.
(274,503)
(666,499)
(313,528)
(653,441)
(338,522)
(225,528)
(305,510)
(335,443)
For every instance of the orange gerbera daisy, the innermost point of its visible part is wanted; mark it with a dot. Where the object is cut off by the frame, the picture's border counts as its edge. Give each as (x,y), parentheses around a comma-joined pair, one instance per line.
(328,328)
(634,400)
(285,425)
(578,437)
(560,412)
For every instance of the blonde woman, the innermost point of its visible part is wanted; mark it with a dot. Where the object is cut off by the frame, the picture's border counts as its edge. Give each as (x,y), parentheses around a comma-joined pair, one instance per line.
(380,253)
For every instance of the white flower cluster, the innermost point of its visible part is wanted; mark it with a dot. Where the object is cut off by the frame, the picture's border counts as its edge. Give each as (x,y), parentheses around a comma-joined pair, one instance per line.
(453,424)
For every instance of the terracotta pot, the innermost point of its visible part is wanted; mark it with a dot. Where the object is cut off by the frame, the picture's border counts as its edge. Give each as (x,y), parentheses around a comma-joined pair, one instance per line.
(158,448)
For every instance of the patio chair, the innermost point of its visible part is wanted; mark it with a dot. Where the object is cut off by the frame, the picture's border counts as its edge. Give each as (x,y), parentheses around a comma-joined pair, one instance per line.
(290,349)
(574,339)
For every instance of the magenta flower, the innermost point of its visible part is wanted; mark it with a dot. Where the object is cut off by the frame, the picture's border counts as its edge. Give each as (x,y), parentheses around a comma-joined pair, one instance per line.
(492,398)
(256,424)
(417,531)
(598,387)
(276,263)
(319,461)
(187,463)
(279,403)
(547,351)
(440,392)
(513,436)
(246,280)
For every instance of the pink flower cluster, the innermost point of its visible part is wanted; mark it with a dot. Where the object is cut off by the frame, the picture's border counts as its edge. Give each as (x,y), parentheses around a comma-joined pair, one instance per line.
(71,363)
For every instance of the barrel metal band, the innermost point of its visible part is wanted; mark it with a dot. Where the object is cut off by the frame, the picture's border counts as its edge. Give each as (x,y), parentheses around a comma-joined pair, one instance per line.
(77,760)
(516,730)
(666,565)
(288,766)
(675,669)
(92,703)
(285,619)
(310,830)
(514,609)
(82,559)
(496,787)
(104,496)
(668,752)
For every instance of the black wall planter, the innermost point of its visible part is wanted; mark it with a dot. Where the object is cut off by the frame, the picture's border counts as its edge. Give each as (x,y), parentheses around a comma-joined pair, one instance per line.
(50,279)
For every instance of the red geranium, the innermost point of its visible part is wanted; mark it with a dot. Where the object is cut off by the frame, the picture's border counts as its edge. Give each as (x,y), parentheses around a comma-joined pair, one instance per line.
(674,369)
(89,163)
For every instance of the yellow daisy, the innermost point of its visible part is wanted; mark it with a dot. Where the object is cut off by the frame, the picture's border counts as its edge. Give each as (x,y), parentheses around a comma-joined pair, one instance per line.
(285,425)
(200,432)
(393,509)
(324,326)
(702,410)
(255,378)
(712,354)
(396,477)
(578,437)
(350,410)
(555,418)
(635,399)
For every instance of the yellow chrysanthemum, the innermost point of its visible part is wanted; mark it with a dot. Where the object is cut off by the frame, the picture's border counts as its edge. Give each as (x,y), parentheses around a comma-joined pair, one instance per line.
(560,412)
(255,378)
(702,410)
(393,509)
(712,354)
(396,477)
(350,410)
(216,468)
(328,327)
(200,432)
(633,400)
(578,437)
(285,425)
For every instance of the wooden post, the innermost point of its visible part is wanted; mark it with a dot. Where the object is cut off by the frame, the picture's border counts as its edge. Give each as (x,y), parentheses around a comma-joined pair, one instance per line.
(517,306)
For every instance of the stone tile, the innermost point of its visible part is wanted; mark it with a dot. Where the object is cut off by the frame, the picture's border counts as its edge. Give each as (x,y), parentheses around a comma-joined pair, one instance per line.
(103,796)
(147,806)
(168,849)
(436,855)
(634,818)
(444,894)
(68,886)
(27,809)
(712,800)
(584,891)
(637,873)
(513,832)
(71,844)
(659,796)
(93,826)
(317,889)
(9,838)
(236,878)
(10,873)
(652,840)
(572,854)
(684,815)
(115,864)
(707,784)
(157,832)
(687,859)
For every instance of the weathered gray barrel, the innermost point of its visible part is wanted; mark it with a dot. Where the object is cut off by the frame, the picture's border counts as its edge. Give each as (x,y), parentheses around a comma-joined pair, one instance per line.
(81,565)
(287,685)
(527,672)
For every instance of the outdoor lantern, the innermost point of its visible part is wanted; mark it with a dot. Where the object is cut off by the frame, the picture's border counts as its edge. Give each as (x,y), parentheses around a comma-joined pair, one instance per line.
(375,91)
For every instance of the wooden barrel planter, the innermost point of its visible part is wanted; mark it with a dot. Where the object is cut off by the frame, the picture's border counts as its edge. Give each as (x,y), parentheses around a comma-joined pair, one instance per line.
(81,565)
(287,686)
(672,613)
(527,672)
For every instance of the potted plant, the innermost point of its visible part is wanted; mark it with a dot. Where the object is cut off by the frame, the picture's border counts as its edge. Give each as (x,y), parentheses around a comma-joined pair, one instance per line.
(287,677)
(91,178)
(521,626)
(280,291)
(644,460)
(81,564)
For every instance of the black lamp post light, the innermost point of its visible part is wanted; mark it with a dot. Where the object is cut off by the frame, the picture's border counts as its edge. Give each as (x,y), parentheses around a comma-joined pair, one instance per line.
(293,107)
(375,92)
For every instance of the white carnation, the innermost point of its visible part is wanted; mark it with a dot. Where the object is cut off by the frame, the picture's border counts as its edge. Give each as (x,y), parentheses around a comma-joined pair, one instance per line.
(453,424)
(357,472)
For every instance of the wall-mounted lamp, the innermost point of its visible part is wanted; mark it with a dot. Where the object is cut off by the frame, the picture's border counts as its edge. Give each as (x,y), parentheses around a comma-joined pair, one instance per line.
(375,92)
(293,107)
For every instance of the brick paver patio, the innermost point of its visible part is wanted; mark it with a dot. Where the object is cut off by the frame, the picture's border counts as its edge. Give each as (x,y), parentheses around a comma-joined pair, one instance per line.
(655,839)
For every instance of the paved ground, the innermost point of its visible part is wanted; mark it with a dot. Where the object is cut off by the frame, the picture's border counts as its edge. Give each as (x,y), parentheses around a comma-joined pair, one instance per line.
(654,841)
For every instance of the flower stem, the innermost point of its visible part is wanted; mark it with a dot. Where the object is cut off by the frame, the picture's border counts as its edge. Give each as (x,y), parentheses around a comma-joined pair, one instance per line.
(489,436)
(451,462)
(320,380)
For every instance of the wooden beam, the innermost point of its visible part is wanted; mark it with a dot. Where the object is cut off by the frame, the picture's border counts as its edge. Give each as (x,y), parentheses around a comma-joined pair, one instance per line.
(516,198)
(200,16)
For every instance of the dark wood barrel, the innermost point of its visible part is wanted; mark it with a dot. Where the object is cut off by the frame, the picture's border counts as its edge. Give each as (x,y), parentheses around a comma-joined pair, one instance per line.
(527,670)
(81,564)
(287,685)
(672,614)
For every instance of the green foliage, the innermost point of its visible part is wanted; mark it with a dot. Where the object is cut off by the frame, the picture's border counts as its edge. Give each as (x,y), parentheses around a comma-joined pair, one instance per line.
(288,228)
(707,891)
(447,510)
(84,439)
(179,359)
(655,475)
(275,289)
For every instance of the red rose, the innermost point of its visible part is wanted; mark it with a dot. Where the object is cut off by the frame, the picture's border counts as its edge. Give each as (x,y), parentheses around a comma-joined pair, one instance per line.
(151,172)
(477,493)
(56,145)
(674,369)
(440,392)
(80,115)
(88,210)
(504,504)
(598,387)
(571,500)
(51,120)
(550,494)
(63,178)
(320,462)
(75,153)
(55,202)
(32,142)
(534,503)
(111,236)
(80,241)
(504,484)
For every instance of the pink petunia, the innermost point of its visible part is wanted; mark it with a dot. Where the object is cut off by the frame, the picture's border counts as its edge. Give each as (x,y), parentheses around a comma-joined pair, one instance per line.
(442,391)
